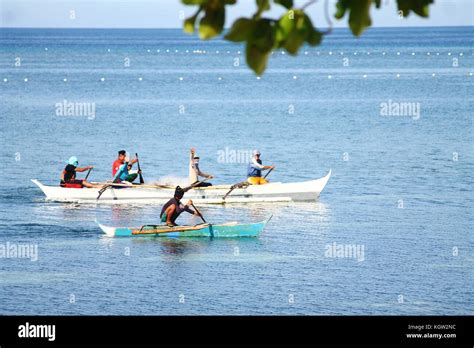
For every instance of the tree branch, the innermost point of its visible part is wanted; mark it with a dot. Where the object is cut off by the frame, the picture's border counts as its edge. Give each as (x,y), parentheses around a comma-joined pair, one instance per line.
(309,3)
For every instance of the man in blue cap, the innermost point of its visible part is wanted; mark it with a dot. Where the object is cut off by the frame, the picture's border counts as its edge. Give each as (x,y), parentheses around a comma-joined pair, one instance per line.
(68,175)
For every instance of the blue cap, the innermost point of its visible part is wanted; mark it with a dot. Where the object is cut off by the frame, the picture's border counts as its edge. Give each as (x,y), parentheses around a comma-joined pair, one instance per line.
(73,160)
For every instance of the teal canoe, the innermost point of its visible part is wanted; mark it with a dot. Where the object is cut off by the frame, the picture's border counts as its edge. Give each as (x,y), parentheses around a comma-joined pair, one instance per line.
(227,230)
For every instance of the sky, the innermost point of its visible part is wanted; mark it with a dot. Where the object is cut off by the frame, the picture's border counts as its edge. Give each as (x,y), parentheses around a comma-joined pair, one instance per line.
(169,13)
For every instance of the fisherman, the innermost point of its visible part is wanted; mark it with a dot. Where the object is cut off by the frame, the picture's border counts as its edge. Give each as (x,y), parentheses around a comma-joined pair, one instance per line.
(254,170)
(173,208)
(195,172)
(68,175)
(121,167)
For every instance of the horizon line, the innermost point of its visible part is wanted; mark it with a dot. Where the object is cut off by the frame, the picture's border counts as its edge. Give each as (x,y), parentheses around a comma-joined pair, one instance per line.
(177,28)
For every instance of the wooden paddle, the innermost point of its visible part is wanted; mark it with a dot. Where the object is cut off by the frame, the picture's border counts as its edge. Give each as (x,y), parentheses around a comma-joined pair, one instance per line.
(187,188)
(211,231)
(139,170)
(88,174)
(268,173)
(199,213)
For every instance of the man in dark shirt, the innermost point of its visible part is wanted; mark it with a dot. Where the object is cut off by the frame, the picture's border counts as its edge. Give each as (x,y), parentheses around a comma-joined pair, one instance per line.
(173,208)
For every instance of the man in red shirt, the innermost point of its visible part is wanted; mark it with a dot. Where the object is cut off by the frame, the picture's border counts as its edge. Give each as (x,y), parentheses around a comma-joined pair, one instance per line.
(120,161)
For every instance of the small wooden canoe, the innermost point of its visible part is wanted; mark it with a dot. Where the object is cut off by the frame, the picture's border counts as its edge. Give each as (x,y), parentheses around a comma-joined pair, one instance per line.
(227,230)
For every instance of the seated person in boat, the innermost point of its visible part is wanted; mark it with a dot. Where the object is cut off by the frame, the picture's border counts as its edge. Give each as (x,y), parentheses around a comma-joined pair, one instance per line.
(122,175)
(173,208)
(255,168)
(117,165)
(195,172)
(68,175)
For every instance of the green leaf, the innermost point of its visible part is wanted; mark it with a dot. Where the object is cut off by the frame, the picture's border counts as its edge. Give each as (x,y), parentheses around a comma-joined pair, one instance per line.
(263,35)
(194,2)
(256,58)
(341,8)
(212,23)
(260,44)
(240,30)
(313,37)
(286,3)
(189,23)
(420,7)
(359,14)
(294,29)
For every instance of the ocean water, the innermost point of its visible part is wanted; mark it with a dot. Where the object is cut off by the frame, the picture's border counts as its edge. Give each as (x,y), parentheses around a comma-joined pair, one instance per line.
(401,189)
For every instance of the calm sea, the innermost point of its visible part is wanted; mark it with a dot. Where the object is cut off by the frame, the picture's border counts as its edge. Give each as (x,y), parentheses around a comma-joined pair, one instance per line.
(401,192)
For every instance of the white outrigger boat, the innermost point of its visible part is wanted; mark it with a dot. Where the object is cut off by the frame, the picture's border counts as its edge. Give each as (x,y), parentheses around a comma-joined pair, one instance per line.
(218,194)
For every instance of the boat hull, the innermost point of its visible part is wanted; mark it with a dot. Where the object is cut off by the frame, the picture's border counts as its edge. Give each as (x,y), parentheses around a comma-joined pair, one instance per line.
(229,230)
(272,192)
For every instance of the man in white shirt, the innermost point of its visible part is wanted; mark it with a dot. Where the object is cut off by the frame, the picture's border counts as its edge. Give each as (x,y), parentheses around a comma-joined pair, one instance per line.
(195,172)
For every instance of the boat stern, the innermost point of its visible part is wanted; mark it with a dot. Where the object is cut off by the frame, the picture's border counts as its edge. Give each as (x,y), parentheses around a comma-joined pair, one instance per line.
(109,231)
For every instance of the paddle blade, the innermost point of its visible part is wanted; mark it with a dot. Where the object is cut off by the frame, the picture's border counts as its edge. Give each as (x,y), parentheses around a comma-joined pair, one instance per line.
(139,170)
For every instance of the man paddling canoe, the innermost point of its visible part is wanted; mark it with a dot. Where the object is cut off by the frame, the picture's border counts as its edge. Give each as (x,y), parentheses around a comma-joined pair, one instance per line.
(195,172)
(68,175)
(123,170)
(255,168)
(173,208)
